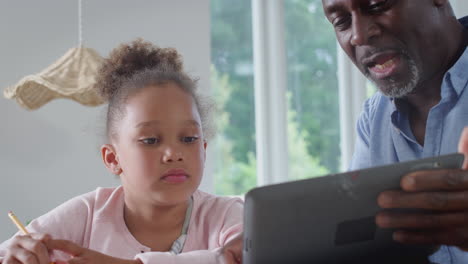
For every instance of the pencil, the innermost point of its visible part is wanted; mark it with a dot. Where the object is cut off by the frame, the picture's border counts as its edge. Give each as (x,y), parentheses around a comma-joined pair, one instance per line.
(20,225)
(17,222)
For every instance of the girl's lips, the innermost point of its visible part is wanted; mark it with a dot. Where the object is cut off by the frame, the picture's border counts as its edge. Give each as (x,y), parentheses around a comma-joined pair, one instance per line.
(175,178)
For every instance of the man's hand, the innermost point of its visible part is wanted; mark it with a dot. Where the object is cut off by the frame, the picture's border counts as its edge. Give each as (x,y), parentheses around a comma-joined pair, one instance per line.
(463,147)
(444,193)
(232,251)
(80,255)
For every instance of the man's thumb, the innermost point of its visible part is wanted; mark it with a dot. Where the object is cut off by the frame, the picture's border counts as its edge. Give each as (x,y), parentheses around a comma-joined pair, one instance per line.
(463,147)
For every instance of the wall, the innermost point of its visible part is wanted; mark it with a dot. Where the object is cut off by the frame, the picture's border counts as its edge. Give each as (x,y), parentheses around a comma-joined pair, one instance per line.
(460,7)
(52,154)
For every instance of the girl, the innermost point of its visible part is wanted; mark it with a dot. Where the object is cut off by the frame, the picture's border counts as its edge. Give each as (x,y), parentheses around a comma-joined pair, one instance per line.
(157,129)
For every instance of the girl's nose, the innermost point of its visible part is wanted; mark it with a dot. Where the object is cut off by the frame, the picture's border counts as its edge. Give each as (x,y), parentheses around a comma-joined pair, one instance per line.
(172,155)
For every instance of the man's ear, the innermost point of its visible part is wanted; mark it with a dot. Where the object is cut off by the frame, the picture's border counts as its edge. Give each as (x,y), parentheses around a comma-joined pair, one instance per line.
(440,3)
(109,157)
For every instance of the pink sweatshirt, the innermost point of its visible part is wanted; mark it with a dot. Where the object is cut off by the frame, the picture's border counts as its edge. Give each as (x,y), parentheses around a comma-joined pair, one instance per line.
(95,221)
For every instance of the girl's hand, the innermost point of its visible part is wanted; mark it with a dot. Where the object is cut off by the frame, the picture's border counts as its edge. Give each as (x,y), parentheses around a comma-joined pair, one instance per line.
(29,249)
(80,255)
(232,251)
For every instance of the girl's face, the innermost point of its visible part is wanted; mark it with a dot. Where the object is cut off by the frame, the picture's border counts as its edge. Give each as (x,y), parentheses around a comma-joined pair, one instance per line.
(160,146)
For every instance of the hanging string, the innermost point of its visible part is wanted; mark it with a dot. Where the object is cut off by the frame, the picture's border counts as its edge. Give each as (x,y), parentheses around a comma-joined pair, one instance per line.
(80,25)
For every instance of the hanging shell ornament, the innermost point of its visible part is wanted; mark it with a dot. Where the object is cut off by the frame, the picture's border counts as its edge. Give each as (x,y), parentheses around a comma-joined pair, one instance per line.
(72,77)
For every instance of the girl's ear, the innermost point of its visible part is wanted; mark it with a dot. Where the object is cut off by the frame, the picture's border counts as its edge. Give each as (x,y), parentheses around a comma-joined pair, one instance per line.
(205,144)
(109,157)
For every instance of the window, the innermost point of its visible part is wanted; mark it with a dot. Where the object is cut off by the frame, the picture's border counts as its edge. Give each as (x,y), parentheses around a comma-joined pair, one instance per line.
(232,83)
(311,93)
(323,92)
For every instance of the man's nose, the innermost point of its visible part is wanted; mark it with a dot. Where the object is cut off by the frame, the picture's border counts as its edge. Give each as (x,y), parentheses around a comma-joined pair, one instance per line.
(363,29)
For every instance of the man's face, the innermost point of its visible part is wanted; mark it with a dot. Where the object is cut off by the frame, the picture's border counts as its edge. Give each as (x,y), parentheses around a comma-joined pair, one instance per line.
(393,42)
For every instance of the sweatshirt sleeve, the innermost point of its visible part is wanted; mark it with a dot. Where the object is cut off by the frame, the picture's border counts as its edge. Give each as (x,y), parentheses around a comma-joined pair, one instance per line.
(192,257)
(232,222)
(63,222)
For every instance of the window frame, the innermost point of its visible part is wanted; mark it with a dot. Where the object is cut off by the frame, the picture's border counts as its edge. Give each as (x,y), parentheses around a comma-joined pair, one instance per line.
(270,88)
(270,94)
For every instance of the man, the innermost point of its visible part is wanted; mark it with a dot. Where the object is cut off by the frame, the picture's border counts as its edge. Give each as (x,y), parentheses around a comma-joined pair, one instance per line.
(415,52)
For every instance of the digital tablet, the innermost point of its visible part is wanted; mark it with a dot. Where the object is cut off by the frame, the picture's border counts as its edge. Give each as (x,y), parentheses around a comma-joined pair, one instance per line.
(330,219)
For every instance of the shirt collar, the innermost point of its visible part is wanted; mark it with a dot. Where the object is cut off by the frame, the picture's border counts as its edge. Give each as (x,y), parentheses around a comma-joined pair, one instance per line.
(457,74)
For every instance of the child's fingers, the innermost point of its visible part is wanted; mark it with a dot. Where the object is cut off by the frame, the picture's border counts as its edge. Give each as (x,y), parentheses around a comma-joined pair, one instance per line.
(77,260)
(13,250)
(33,250)
(27,257)
(10,260)
(65,246)
(41,237)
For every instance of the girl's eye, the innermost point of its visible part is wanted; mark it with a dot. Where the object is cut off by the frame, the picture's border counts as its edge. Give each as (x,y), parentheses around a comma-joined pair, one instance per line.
(189,139)
(148,141)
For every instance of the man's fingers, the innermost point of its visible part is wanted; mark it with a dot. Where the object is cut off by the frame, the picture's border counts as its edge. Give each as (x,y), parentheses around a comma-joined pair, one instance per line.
(451,237)
(65,246)
(463,146)
(422,220)
(440,201)
(444,179)
(435,180)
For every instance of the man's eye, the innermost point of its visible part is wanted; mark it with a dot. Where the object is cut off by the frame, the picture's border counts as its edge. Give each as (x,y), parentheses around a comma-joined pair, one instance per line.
(189,139)
(378,7)
(342,23)
(148,141)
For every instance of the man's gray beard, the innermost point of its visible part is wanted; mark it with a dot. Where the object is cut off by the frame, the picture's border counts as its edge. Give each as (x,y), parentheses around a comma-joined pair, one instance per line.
(399,90)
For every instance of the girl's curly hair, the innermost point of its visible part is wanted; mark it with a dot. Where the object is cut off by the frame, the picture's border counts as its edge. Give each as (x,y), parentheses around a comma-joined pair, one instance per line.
(139,64)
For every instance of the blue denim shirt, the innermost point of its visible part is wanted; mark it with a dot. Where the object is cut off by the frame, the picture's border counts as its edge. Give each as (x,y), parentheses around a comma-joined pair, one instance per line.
(384,134)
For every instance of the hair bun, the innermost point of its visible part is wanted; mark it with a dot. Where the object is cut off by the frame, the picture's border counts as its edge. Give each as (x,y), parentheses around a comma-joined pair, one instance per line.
(130,58)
